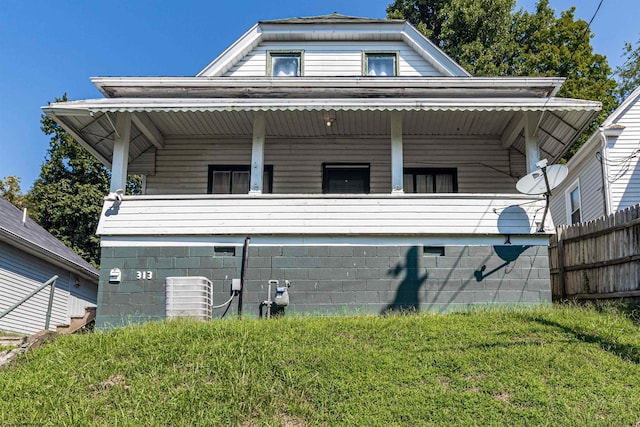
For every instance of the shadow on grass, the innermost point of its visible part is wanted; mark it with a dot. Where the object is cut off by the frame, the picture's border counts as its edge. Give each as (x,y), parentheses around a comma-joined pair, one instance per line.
(627,352)
(627,309)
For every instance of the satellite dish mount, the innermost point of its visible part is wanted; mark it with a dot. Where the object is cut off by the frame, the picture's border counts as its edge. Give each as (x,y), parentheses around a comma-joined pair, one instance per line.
(542,181)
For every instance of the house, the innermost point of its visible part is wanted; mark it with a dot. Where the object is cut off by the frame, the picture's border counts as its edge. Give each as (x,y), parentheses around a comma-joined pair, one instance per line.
(604,174)
(349,156)
(30,256)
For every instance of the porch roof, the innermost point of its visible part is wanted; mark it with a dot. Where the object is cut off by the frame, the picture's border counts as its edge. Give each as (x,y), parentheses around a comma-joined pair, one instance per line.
(327,87)
(91,122)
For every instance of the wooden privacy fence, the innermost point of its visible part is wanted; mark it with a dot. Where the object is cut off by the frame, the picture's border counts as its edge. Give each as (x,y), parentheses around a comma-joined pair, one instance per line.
(597,259)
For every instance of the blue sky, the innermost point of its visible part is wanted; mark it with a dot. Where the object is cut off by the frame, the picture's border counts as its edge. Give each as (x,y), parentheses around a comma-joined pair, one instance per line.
(49,47)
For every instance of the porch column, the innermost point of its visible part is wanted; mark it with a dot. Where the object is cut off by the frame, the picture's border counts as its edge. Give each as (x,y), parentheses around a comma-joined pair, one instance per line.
(532,142)
(257,153)
(120,161)
(397,174)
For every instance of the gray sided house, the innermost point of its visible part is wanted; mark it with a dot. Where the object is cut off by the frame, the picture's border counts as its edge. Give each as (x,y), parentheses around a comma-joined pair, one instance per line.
(365,166)
(29,256)
(604,175)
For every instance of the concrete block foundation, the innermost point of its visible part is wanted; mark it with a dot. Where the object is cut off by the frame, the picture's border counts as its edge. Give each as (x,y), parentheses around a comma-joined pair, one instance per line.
(328,279)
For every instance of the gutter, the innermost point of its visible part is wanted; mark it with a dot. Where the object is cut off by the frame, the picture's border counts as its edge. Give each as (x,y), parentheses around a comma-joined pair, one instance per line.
(604,173)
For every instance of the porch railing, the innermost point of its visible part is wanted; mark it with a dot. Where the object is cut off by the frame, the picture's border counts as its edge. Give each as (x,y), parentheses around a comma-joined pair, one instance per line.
(51,282)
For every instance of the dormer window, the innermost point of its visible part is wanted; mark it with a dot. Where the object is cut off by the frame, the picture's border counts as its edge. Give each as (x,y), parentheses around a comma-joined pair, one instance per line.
(284,64)
(380,64)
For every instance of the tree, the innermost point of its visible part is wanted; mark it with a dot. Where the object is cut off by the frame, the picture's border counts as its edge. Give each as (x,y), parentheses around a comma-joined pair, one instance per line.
(629,72)
(67,197)
(10,191)
(475,33)
(490,38)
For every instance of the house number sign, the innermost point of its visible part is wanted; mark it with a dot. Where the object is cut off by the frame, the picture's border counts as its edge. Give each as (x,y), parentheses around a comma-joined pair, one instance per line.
(144,275)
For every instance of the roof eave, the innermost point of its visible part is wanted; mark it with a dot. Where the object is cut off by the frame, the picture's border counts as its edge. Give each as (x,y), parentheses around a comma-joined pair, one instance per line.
(87,107)
(594,114)
(604,129)
(244,43)
(123,86)
(48,256)
(392,29)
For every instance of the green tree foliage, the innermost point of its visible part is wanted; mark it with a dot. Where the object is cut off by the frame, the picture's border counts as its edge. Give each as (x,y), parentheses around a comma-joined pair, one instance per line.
(10,191)
(67,197)
(491,38)
(475,33)
(629,72)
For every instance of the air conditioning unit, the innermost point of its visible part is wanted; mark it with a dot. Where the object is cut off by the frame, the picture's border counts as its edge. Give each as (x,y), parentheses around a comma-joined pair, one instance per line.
(189,297)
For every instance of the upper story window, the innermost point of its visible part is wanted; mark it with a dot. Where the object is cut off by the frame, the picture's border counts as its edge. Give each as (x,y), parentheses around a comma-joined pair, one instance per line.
(572,196)
(430,180)
(234,179)
(284,64)
(380,64)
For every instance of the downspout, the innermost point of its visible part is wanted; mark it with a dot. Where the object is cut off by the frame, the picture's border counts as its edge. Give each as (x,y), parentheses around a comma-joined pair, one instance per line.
(243,271)
(605,173)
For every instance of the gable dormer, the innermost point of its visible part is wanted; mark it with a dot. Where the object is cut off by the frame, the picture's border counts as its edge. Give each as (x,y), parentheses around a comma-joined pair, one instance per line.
(333,46)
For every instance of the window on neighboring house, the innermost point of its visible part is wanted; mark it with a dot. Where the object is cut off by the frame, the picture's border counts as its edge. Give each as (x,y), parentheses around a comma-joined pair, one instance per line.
(573,202)
(235,179)
(284,64)
(430,180)
(380,64)
(339,178)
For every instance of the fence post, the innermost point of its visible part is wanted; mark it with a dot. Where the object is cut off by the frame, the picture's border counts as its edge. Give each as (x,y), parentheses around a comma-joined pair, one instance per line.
(561,279)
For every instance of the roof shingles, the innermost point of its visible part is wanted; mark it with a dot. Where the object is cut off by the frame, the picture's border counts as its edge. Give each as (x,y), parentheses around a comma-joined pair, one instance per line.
(332,18)
(12,229)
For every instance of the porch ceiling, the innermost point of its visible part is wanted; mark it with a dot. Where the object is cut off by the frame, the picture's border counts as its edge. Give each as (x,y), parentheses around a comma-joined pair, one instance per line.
(91,122)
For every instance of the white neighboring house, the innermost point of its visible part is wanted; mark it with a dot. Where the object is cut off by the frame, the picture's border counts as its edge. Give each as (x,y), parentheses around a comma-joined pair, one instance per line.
(367,167)
(604,175)
(29,256)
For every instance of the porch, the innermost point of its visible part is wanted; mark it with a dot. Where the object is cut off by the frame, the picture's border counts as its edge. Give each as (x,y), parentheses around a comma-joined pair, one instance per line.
(470,124)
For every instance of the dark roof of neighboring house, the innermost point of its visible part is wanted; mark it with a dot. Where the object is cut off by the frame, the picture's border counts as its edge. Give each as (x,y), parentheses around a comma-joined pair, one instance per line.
(35,239)
(332,18)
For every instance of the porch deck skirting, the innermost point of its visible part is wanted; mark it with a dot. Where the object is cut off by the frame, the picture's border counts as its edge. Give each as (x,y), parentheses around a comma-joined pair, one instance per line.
(491,257)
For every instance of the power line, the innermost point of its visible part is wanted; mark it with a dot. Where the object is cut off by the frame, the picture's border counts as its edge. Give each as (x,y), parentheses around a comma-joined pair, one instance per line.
(595,13)
(592,18)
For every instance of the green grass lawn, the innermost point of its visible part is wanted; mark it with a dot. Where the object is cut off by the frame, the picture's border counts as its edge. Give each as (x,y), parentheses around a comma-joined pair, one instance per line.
(543,366)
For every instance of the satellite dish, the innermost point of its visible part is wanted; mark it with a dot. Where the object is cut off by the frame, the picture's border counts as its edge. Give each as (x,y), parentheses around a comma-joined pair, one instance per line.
(535,183)
(542,181)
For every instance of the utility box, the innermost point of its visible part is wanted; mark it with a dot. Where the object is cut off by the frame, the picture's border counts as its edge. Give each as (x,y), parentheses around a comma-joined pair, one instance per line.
(189,297)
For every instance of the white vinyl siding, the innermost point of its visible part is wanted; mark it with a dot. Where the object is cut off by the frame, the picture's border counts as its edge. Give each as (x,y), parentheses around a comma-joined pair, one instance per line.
(623,176)
(323,215)
(591,192)
(476,161)
(182,165)
(20,274)
(625,190)
(589,173)
(332,58)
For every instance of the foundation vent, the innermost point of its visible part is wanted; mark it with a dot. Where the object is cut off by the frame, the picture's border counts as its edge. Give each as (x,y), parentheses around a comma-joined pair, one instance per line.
(189,297)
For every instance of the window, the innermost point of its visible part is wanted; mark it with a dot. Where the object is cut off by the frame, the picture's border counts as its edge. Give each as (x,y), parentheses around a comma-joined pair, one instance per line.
(340,178)
(284,64)
(380,64)
(430,180)
(574,215)
(234,179)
